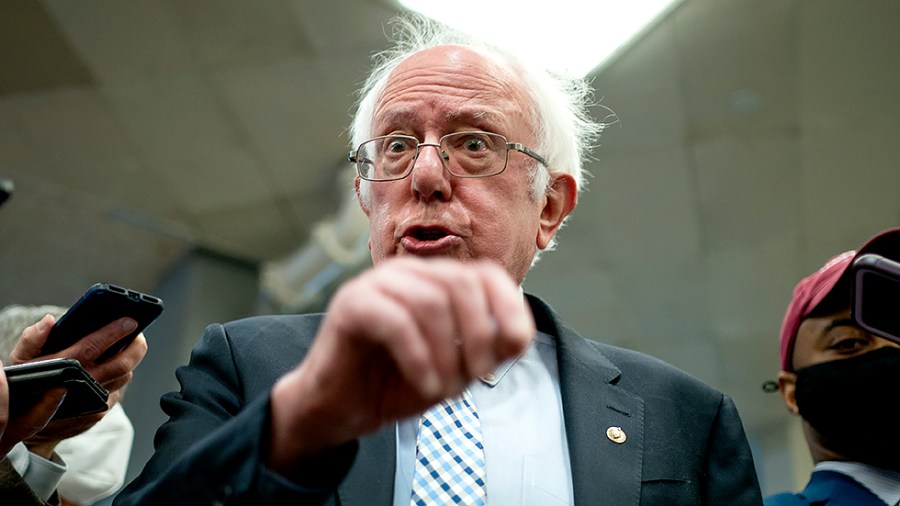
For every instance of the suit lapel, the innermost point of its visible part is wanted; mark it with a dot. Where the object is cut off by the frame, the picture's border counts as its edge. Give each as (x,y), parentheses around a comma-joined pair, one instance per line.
(603,471)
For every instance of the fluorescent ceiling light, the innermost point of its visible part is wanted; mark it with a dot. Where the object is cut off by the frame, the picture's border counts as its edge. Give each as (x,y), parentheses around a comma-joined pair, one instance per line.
(568,36)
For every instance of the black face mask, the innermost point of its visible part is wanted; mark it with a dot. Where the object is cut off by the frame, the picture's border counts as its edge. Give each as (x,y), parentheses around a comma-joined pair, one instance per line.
(852,404)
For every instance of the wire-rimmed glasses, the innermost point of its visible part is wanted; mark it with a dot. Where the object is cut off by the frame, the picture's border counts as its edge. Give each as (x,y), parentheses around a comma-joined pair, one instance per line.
(464,154)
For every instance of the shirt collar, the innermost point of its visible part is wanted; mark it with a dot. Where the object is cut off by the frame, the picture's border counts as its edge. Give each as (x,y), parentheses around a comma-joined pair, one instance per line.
(493,378)
(881,482)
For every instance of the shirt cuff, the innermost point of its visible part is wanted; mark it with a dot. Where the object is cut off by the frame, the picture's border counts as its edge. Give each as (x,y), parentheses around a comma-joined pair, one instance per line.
(40,474)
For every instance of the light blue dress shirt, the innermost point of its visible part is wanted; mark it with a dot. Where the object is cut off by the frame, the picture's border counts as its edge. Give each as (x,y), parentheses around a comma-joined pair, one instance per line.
(525,449)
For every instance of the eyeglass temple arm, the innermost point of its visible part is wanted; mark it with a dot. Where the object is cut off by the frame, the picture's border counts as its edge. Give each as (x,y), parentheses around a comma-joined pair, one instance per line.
(352,157)
(518,146)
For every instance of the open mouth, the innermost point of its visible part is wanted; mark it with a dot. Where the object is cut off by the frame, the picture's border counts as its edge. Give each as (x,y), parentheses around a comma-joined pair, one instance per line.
(429,240)
(427,234)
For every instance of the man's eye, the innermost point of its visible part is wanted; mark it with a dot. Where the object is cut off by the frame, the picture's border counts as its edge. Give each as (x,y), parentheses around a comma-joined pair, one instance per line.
(475,144)
(850,344)
(396,146)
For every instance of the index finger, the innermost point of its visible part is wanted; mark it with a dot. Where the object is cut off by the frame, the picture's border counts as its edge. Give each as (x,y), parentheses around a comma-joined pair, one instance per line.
(89,348)
(95,344)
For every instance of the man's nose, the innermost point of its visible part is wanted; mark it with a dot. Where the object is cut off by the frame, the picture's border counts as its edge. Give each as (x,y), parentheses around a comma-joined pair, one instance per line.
(429,178)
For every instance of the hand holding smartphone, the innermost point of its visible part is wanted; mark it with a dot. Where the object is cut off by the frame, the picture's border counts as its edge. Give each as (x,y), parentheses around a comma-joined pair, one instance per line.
(101,304)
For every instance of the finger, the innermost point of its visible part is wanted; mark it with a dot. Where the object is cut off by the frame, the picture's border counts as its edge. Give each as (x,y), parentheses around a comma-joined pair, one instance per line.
(90,347)
(28,347)
(384,323)
(4,402)
(45,441)
(118,383)
(475,325)
(115,397)
(23,425)
(109,372)
(427,301)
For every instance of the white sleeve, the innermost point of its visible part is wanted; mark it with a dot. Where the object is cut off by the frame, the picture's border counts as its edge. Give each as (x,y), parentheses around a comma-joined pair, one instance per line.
(97,459)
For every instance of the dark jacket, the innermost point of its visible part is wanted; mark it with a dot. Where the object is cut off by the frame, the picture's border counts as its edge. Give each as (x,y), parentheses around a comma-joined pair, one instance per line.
(686,443)
(14,490)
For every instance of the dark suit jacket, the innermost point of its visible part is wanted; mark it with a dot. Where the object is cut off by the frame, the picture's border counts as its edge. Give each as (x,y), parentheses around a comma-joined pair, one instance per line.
(828,488)
(686,444)
(14,490)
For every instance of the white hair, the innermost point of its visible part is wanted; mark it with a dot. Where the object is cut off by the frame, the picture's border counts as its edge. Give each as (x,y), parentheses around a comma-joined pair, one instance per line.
(564,129)
(15,318)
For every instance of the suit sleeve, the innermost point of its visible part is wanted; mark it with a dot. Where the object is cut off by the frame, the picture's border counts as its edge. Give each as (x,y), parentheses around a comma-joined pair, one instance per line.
(211,449)
(730,473)
(14,490)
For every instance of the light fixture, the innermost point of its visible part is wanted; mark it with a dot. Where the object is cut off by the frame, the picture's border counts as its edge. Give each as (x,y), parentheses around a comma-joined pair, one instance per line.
(569,36)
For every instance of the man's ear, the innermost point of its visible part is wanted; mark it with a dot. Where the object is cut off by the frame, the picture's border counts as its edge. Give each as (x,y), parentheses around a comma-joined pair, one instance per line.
(363,206)
(561,198)
(362,203)
(787,387)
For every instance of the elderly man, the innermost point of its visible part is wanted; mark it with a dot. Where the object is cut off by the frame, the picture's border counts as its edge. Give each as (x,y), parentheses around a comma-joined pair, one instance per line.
(431,378)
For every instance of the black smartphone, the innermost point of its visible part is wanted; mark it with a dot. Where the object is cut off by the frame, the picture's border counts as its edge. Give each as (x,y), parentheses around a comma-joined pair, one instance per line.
(27,382)
(101,304)
(876,295)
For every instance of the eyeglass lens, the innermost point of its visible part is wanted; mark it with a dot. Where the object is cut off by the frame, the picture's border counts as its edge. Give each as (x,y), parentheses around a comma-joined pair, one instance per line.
(464,154)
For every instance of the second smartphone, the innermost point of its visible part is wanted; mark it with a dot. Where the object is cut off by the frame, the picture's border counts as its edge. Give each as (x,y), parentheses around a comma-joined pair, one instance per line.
(101,304)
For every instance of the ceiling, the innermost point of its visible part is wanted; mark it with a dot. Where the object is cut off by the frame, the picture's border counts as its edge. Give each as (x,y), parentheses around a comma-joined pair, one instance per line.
(756,139)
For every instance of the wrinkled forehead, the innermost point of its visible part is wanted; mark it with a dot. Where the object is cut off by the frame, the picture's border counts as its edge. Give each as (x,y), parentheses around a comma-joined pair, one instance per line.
(477,86)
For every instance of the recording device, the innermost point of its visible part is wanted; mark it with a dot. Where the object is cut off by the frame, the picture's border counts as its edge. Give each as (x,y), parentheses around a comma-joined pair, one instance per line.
(28,382)
(101,304)
(876,295)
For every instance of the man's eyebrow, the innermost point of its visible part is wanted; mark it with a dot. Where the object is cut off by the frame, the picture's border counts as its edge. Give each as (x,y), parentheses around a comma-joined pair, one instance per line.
(480,115)
(404,119)
(397,117)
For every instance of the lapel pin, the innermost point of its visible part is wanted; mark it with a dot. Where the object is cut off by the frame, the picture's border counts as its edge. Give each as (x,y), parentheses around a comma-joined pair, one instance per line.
(616,435)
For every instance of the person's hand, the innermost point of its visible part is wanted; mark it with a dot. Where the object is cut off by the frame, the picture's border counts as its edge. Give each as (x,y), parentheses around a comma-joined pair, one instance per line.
(112,374)
(396,340)
(24,425)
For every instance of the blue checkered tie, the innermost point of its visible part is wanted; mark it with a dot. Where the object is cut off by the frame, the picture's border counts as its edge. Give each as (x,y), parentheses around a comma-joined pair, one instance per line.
(450,455)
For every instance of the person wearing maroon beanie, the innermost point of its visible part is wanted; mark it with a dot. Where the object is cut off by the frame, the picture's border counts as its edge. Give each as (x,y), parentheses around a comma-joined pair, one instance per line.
(842,381)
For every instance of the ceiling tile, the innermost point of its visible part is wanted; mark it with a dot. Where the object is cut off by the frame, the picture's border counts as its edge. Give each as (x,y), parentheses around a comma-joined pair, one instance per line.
(31,43)
(236,32)
(73,139)
(124,40)
(188,137)
(290,119)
